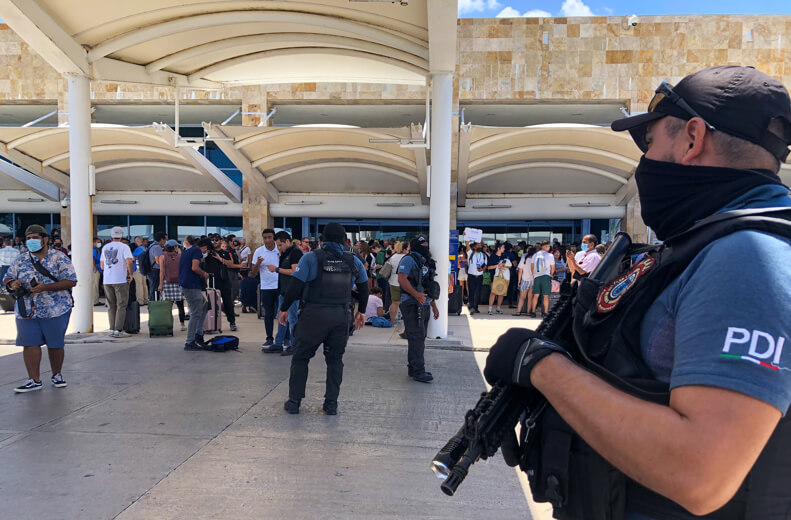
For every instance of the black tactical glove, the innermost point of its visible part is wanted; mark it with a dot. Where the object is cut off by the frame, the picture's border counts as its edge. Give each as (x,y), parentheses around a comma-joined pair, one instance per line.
(515,354)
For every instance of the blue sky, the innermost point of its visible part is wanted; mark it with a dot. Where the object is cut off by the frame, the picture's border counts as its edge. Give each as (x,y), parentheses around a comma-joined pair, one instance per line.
(491,8)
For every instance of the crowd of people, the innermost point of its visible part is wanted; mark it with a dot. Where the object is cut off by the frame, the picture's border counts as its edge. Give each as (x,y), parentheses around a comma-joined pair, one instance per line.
(532,271)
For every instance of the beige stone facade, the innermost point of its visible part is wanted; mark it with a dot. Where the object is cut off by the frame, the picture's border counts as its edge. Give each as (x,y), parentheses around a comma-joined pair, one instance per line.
(506,59)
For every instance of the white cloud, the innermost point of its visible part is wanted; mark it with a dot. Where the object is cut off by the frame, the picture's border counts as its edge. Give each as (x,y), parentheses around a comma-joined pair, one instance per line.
(510,12)
(575,8)
(477,6)
(537,13)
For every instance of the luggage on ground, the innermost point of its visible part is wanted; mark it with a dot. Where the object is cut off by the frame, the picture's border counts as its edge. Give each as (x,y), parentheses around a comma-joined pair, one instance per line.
(160,316)
(213,321)
(456,300)
(6,301)
(132,321)
(223,343)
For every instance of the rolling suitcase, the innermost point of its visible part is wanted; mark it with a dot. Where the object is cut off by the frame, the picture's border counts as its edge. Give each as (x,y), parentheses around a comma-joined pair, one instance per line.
(160,316)
(455,300)
(213,321)
(132,321)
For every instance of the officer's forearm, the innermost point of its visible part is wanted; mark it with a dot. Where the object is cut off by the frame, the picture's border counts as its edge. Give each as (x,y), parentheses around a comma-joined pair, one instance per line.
(294,291)
(362,290)
(696,451)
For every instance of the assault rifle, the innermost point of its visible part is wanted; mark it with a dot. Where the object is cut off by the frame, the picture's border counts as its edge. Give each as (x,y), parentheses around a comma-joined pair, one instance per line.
(491,424)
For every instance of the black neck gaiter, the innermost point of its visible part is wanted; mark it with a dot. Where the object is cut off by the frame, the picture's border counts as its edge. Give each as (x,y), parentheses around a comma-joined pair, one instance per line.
(673,196)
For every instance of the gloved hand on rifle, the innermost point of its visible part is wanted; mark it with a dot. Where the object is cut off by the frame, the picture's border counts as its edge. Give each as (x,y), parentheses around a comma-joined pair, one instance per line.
(515,354)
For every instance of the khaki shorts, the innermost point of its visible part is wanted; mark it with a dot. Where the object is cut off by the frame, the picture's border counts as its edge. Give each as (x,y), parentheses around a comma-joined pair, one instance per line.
(395,293)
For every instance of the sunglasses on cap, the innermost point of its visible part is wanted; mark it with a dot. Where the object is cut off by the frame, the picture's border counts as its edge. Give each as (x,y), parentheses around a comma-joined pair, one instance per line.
(665,91)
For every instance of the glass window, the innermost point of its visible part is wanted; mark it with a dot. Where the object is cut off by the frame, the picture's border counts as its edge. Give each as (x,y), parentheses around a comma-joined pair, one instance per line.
(145,226)
(224,225)
(105,223)
(6,224)
(23,220)
(180,227)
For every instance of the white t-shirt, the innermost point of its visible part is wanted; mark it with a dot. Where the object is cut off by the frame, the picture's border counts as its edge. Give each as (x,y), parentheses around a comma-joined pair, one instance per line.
(371,311)
(114,255)
(268,278)
(394,261)
(244,254)
(543,261)
(524,266)
(505,272)
(475,261)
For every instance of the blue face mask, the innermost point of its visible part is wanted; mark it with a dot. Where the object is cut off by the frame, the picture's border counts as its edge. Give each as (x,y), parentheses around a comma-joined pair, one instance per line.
(584,246)
(34,244)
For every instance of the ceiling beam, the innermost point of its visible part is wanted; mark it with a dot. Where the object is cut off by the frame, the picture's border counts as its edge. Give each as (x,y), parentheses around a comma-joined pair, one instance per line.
(465,137)
(45,36)
(479,176)
(257,183)
(41,186)
(205,21)
(421,163)
(31,164)
(108,69)
(194,157)
(243,45)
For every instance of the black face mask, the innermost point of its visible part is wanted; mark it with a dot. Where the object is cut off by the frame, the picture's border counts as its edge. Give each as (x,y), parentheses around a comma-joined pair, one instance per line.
(673,197)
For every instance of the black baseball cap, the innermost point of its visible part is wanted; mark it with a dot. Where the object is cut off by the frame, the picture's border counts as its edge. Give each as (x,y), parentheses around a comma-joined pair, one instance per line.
(740,101)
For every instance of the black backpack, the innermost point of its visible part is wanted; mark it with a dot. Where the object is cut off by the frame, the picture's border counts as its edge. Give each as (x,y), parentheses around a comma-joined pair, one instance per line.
(223,343)
(144,263)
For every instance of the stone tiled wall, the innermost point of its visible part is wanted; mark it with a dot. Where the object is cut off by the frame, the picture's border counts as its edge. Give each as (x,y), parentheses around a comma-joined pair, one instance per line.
(605,58)
(505,59)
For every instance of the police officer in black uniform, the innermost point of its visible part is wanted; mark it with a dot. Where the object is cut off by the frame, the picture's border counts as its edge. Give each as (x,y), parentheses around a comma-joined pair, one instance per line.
(676,402)
(323,280)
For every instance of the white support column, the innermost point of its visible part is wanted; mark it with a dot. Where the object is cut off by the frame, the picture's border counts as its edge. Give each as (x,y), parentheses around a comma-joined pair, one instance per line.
(439,212)
(81,201)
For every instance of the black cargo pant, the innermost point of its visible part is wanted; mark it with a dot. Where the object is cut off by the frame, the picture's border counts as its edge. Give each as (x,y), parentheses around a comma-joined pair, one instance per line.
(416,318)
(474,284)
(319,324)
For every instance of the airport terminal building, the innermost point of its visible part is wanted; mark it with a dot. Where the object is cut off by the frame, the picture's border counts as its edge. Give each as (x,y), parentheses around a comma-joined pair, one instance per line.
(392,118)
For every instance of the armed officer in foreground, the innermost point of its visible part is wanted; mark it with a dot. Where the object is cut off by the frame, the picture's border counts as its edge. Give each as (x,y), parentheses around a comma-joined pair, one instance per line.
(323,280)
(666,395)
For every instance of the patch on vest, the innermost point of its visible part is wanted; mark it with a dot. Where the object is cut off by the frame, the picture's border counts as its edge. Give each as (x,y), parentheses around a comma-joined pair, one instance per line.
(335,265)
(609,296)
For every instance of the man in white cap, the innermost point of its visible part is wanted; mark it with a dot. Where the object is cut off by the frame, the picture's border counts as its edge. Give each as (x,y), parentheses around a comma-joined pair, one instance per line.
(117,261)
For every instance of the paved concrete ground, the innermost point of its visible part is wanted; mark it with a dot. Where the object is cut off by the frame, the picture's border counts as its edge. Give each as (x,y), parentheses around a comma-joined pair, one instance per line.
(146,430)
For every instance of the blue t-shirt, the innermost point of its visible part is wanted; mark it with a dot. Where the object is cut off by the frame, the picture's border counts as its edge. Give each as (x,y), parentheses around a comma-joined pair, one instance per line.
(187,277)
(97,259)
(724,321)
(155,251)
(308,266)
(406,266)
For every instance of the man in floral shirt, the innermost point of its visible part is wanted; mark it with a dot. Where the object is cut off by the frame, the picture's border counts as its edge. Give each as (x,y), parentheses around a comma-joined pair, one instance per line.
(46,276)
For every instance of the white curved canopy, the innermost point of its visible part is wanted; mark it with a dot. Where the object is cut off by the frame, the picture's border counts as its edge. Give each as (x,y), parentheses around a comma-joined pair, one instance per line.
(326,159)
(545,159)
(139,159)
(206,43)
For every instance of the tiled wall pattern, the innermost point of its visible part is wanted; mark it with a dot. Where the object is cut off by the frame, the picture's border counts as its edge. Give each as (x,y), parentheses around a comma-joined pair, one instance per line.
(605,58)
(506,59)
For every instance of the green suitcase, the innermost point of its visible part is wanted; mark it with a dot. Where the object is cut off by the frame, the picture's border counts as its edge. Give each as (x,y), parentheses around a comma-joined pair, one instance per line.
(160,317)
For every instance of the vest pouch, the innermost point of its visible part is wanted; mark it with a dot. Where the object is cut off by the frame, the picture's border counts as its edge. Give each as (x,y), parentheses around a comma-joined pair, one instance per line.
(563,470)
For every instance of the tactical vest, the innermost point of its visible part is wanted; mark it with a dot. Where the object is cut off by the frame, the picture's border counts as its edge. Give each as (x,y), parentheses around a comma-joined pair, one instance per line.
(333,283)
(415,276)
(609,307)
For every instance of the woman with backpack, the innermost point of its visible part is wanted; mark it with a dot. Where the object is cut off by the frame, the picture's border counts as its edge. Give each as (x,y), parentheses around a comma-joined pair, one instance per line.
(169,278)
(218,262)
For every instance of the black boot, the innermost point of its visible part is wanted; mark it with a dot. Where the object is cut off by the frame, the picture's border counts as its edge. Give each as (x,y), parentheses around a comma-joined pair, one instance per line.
(330,407)
(292,406)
